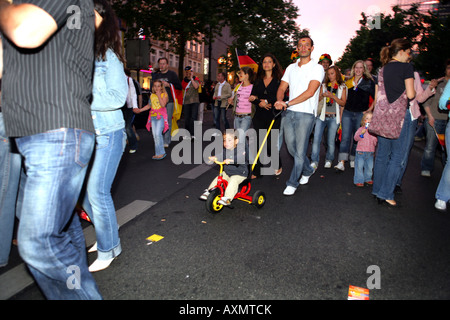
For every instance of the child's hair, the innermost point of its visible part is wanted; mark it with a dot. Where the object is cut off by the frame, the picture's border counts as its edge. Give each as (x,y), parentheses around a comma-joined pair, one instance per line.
(231,132)
(250,72)
(363,120)
(155,81)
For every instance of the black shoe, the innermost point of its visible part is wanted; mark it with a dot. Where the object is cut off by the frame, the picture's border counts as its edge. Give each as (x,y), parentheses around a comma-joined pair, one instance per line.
(398,190)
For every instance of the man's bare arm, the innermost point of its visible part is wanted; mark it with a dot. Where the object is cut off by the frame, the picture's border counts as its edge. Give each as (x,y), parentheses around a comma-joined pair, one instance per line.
(26,25)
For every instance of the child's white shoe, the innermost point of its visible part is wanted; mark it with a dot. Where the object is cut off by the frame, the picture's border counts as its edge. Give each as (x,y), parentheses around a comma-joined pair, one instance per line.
(224,201)
(205,195)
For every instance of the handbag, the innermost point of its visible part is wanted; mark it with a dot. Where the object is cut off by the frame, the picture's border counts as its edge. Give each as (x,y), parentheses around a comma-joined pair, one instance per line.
(387,120)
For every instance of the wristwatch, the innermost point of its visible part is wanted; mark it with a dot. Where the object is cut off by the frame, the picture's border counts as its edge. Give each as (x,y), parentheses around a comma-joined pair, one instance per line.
(287,104)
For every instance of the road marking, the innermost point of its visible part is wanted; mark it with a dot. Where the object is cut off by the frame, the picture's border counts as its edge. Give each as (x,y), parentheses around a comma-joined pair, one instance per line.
(18,278)
(196,172)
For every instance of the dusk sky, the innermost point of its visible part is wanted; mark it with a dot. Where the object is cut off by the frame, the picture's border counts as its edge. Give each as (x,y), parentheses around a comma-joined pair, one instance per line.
(332,24)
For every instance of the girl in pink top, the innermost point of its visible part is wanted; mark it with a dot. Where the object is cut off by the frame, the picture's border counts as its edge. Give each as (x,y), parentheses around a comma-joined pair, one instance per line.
(242,107)
(365,151)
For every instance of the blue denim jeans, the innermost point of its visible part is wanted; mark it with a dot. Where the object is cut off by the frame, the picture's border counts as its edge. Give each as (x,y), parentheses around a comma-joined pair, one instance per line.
(320,126)
(351,121)
(10,165)
(168,134)
(432,141)
(443,190)
(50,237)
(388,162)
(157,132)
(297,127)
(220,113)
(410,142)
(363,167)
(242,124)
(98,202)
(129,116)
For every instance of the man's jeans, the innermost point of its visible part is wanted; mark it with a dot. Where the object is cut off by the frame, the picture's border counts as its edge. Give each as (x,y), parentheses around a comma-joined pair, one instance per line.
(330,123)
(168,133)
(432,141)
(10,164)
(220,113)
(190,116)
(50,237)
(297,127)
(351,121)
(129,119)
(389,162)
(363,167)
(443,190)
(98,202)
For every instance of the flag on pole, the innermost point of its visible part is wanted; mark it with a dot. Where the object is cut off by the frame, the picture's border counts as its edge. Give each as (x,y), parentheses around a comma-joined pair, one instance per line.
(177,108)
(245,61)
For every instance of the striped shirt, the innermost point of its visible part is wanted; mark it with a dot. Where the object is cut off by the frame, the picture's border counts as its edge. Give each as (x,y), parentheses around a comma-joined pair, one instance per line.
(51,87)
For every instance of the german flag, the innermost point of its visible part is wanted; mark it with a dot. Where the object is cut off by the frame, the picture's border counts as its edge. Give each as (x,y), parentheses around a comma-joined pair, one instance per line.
(245,61)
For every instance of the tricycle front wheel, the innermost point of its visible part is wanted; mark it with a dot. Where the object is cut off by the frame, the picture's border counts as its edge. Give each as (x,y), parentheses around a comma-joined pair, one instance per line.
(212,204)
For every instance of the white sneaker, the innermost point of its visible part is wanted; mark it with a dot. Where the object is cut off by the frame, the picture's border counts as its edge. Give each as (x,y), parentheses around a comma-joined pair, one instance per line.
(352,164)
(440,205)
(327,165)
(425,173)
(304,179)
(224,201)
(289,191)
(205,195)
(340,166)
(314,165)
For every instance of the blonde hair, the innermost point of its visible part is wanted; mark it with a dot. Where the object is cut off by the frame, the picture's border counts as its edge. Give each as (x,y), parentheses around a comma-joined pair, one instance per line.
(366,73)
(363,120)
(153,87)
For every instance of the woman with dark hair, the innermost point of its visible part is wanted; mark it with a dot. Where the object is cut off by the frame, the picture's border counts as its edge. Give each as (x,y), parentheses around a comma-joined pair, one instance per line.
(110,90)
(263,96)
(396,88)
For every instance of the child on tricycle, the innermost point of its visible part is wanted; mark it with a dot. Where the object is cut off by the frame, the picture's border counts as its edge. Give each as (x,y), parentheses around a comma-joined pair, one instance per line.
(235,168)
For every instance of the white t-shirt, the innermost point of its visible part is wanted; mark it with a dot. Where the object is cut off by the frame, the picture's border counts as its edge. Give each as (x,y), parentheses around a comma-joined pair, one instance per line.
(298,79)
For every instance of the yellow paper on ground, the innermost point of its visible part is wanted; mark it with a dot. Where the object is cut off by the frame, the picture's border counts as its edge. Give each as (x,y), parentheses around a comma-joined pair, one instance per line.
(357,293)
(155,238)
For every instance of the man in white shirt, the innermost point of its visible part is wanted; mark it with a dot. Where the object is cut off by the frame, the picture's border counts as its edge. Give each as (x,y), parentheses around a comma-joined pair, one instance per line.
(303,79)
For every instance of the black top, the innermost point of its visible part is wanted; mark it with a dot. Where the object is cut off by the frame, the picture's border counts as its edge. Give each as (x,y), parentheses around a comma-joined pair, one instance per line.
(51,87)
(395,73)
(170,77)
(358,98)
(240,157)
(268,93)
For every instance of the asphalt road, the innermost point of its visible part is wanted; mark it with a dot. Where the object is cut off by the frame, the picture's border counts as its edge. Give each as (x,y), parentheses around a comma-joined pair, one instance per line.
(311,246)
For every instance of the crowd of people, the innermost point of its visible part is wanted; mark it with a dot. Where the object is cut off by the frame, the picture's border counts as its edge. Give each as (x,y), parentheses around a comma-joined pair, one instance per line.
(62,140)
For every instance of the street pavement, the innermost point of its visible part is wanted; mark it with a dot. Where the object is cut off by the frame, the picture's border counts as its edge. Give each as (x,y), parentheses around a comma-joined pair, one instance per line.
(310,246)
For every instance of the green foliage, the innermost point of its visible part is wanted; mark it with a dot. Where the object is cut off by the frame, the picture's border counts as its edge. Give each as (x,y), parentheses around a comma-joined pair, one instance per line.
(258,26)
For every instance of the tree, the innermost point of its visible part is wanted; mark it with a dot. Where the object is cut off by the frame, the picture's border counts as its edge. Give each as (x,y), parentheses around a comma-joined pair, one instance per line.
(428,33)
(264,26)
(175,21)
